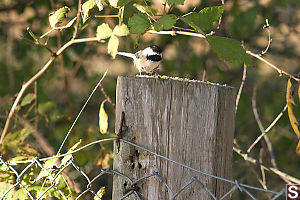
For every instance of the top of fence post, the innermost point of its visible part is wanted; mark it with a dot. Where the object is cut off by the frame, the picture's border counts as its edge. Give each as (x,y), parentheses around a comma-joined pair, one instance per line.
(188,121)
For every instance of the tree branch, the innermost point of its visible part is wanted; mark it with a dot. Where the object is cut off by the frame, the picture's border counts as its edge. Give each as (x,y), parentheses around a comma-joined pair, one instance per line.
(174,32)
(283,175)
(36,76)
(77,21)
(238,96)
(261,128)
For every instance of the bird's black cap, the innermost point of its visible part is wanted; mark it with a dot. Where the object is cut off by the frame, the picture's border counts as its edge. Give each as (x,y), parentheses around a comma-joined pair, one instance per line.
(156,48)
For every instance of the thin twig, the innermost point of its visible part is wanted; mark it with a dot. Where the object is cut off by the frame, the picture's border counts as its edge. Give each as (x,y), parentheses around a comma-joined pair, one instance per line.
(174,32)
(283,175)
(81,110)
(262,170)
(170,7)
(106,96)
(204,75)
(77,21)
(267,26)
(261,128)
(268,129)
(220,19)
(64,78)
(36,120)
(238,96)
(273,66)
(38,42)
(36,76)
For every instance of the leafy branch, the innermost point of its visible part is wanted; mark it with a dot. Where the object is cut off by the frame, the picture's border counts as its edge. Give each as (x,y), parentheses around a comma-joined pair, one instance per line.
(38,75)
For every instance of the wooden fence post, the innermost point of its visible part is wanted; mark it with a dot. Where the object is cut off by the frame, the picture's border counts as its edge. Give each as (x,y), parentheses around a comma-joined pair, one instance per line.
(188,121)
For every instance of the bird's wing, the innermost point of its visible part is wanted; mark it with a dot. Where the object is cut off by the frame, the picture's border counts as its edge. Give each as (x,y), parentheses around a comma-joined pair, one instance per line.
(129,55)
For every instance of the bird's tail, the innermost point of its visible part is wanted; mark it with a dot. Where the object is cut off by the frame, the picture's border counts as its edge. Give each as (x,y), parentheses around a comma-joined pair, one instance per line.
(129,55)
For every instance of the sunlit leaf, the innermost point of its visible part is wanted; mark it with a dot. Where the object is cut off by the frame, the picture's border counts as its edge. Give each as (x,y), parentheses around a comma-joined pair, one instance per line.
(138,23)
(27,99)
(229,49)
(100,193)
(58,16)
(205,18)
(88,6)
(104,31)
(165,22)
(112,47)
(121,30)
(48,165)
(20,194)
(113,3)
(290,102)
(70,156)
(18,158)
(179,2)
(103,118)
(299,91)
(298,148)
(140,8)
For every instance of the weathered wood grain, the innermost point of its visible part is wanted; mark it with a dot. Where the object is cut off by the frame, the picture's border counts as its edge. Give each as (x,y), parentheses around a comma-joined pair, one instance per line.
(190,122)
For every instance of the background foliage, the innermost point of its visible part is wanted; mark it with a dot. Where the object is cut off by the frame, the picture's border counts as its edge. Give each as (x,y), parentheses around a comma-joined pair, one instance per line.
(51,105)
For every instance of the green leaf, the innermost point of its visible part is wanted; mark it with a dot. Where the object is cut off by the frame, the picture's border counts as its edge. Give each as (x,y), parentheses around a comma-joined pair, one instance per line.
(100,193)
(205,18)
(145,9)
(121,30)
(88,6)
(70,156)
(179,2)
(229,49)
(113,3)
(58,16)
(43,108)
(104,31)
(123,2)
(138,23)
(193,25)
(27,99)
(19,136)
(165,22)
(113,45)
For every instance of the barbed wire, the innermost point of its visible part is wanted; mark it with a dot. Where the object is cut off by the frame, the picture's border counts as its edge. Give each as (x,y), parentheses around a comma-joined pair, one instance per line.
(132,188)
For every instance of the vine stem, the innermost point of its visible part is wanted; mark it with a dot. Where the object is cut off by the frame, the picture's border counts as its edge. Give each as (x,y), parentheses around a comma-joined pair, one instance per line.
(36,76)
(174,32)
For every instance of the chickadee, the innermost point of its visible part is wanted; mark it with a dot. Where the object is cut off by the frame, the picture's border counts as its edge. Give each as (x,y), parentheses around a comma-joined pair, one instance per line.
(146,60)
